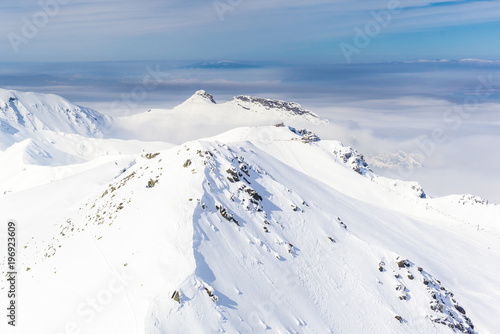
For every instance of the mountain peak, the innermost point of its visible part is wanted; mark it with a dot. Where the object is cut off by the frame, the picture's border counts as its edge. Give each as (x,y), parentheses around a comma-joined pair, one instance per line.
(203,94)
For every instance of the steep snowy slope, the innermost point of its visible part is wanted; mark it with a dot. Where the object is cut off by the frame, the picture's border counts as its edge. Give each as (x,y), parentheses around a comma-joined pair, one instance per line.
(200,116)
(22,114)
(259,229)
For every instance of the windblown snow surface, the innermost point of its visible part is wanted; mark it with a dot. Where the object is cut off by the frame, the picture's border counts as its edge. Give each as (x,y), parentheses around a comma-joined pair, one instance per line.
(260,229)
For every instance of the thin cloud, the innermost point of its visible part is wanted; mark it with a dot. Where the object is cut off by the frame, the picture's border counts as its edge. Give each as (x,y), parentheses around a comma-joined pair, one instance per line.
(112,29)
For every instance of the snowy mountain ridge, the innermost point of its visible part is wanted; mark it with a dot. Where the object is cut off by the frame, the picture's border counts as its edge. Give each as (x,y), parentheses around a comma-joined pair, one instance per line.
(253,240)
(22,114)
(259,229)
(200,116)
(46,120)
(48,130)
(289,109)
(260,105)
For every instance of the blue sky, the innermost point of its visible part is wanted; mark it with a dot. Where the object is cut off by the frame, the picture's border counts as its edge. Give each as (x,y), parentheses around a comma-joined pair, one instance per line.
(280,30)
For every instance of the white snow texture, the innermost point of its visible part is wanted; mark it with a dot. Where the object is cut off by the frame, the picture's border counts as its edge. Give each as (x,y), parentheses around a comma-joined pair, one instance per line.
(252,225)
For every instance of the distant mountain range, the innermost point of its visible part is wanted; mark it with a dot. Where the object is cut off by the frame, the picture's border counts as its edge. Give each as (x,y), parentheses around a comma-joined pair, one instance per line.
(224,64)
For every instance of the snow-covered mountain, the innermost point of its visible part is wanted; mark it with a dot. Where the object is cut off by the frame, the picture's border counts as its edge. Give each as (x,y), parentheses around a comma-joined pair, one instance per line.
(260,229)
(48,130)
(201,116)
(22,114)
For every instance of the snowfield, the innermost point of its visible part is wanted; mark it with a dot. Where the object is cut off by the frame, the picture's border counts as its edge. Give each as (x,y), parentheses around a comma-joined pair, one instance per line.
(259,229)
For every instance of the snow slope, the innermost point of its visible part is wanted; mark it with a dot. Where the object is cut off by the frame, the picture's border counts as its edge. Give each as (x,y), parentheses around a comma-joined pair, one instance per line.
(260,229)
(23,114)
(38,131)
